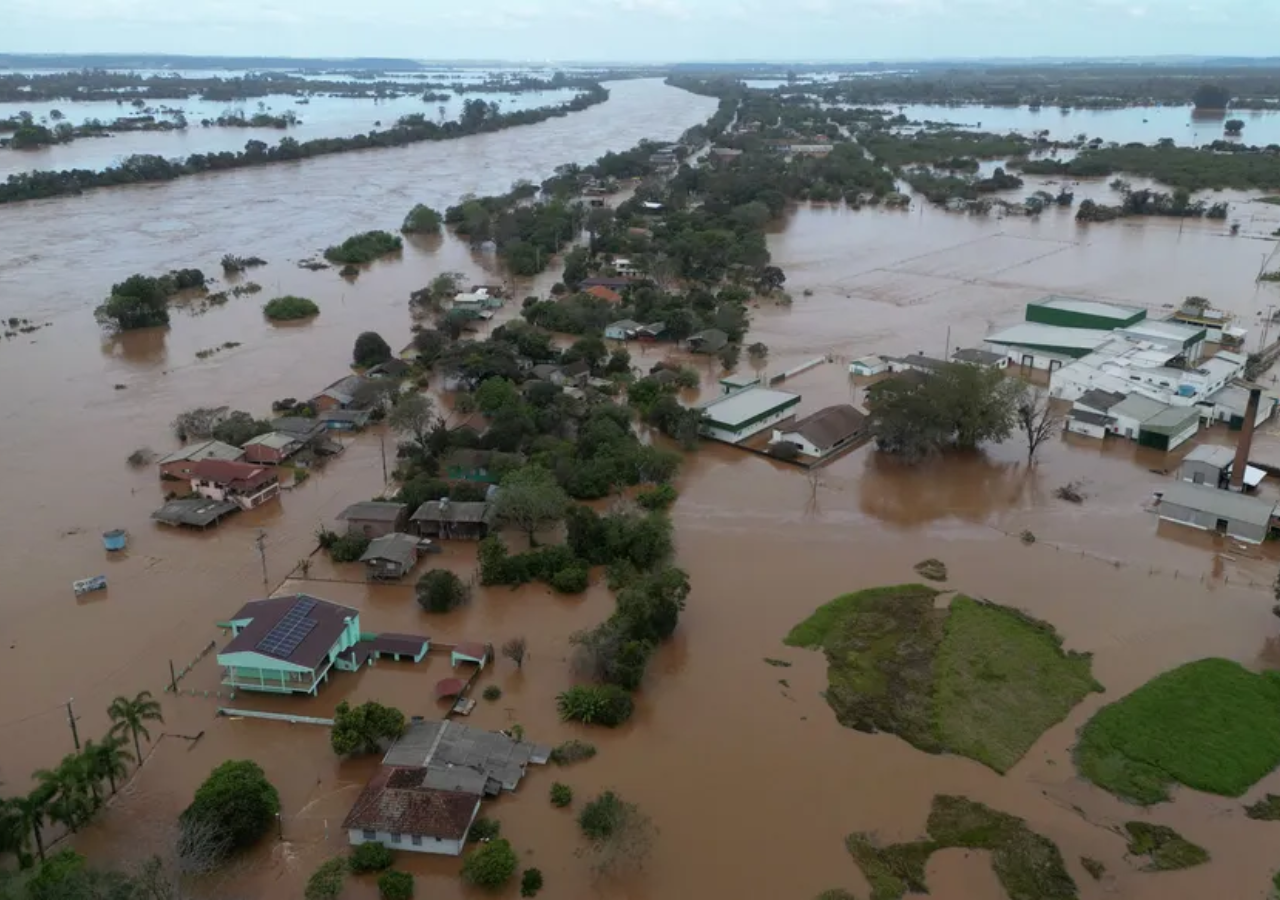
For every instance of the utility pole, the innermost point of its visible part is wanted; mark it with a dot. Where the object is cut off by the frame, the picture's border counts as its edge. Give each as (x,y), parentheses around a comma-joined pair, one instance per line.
(261,543)
(71,718)
(173,678)
(382,442)
(946,351)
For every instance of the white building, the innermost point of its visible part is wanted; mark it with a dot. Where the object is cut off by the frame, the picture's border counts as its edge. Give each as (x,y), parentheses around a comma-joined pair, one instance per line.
(1230,404)
(825,431)
(1091,413)
(735,417)
(1032,345)
(868,365)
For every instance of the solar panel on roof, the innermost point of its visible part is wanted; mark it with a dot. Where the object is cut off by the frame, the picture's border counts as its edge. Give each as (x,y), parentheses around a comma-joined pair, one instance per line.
(283,639)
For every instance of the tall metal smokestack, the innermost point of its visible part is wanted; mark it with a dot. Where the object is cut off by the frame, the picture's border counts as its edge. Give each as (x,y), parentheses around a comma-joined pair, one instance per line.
(1246,439)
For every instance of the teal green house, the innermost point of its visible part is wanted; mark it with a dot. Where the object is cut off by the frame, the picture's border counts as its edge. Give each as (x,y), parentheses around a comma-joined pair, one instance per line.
(288,645)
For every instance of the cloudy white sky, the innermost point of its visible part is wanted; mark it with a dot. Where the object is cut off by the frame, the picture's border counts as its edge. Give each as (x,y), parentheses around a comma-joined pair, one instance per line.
(645,30)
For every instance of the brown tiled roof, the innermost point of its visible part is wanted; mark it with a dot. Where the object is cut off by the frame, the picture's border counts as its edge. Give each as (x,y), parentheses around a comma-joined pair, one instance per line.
(828,427)
(395,800)
(329,621)
(604,293)
(237,475)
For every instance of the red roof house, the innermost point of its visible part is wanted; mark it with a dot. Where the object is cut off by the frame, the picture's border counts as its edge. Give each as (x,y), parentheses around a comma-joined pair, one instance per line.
(604,293)
(245,484)
(398,810)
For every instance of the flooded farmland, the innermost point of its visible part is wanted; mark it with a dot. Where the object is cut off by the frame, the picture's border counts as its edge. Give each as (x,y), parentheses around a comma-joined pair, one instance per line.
(751,782)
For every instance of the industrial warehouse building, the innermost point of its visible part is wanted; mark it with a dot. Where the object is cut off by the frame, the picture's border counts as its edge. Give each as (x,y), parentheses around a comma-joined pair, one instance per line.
(735,417)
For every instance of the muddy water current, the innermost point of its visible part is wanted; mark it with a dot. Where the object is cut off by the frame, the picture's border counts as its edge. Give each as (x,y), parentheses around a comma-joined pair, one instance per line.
(750,781)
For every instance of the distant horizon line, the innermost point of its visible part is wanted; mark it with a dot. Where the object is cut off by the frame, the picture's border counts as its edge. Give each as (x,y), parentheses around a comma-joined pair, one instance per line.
(1190,58)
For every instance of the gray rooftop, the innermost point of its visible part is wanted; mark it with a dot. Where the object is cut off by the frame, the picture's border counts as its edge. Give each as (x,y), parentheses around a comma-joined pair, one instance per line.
(1172,420)
(1218,456)
(742,406)
(977,357)
(399,548)
(1089,307)
(275,440)
(1136,406)
(203,450)
(459,757)
(1219,503)
(373,511)
(453,511)
(197,512)
(1033,334)
(1095,398)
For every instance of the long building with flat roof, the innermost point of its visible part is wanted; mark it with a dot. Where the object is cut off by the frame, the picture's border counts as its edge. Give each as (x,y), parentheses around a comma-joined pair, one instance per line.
(737,416)
(1072,312)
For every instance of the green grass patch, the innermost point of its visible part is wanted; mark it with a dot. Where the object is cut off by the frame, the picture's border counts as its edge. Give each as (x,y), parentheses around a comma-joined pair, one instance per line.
(1211,725)
(975,679)
(1274,200)
(1028,865)
(1265,810)
(1002,681)
(1164,848)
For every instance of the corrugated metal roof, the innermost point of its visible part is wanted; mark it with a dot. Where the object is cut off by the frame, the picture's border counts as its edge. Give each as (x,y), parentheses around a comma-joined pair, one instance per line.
(1089,307)
(740,406)
(1209,454)
(1033,334)
(1172,420)
(1136,406)
(1223,504)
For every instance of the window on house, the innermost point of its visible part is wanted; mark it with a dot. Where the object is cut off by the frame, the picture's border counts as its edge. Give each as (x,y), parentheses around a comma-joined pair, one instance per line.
(417,840)
(369,834)
(395,837)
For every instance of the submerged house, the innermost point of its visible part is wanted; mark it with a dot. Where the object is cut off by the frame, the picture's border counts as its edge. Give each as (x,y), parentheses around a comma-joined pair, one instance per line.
(621,330)
(452,520)
(710,340)
(286,645)
(390,557)
(178,464)
(427,792)
(374,518)
(342,394)
(271,448)
(825,432)
(244,484)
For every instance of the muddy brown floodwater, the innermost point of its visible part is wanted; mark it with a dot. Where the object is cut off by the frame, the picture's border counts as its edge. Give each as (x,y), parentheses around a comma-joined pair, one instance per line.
(751,782)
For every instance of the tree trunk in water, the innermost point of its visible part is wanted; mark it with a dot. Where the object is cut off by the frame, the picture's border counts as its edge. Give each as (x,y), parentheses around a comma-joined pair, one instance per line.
(35,830)
(137,748)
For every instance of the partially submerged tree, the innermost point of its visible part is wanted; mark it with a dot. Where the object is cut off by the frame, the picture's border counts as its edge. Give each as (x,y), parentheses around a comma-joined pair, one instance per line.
(914,416)
(422,219)
(233,808)
(441,590)
(621,835)
(530,500)
(198,423)
(515,650)
(370,349)
(1036,419)
(414,417)
(131,717)
(364,728)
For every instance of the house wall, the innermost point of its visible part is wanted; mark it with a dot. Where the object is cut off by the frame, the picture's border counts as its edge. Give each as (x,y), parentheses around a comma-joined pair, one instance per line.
(1085,428)
(865,369)
(1206,521)
(373,529)
(1198,472)
(1165,442)
(799,440)
(1126,426)
(615,334)
(730,436)
(258,453)
(1039,358)
(244,501)
(412,843)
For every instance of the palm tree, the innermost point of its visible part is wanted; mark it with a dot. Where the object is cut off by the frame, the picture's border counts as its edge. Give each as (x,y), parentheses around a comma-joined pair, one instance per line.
(67,790)
(132,715)
(87,763)
(23,819)
(108,758)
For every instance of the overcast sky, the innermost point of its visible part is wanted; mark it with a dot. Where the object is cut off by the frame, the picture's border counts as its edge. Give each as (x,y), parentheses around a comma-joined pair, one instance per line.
(645,30)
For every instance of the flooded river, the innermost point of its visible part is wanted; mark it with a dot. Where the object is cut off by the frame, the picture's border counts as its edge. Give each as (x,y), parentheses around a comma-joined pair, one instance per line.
(319,117)
(750,781)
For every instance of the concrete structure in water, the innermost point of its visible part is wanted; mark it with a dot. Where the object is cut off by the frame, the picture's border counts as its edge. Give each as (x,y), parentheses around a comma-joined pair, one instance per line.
(1245,518)
(735,417)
